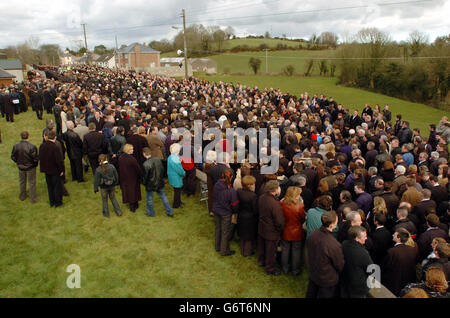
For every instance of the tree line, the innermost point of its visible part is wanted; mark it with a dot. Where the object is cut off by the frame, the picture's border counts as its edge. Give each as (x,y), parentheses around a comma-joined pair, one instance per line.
(404,70)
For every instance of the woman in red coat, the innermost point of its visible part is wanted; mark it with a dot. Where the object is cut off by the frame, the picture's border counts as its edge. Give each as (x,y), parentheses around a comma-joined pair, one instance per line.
(293,233)
(130,176)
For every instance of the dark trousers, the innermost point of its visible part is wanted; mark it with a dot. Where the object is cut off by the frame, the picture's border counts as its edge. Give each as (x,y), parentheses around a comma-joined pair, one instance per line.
(55,189)
(94,164)
(291,250)
(31,176)
(110,193)
(39,112)
(10,115)
(222,233)
(76,168)
(2,109)
(267,253)
(176,198)
(247,247)
(315,291)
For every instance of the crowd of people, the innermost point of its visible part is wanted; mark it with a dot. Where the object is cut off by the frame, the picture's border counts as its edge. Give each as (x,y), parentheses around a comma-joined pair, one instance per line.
(353,190)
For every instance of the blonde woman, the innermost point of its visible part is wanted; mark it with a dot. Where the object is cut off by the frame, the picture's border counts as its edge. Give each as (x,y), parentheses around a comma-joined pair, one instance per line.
(176,173)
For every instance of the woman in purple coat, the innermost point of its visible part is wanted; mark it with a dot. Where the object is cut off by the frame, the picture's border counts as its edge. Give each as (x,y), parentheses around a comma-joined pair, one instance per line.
(130,175)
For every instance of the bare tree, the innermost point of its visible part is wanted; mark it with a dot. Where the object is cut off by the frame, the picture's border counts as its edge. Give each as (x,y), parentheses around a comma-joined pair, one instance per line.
(329,39)
(416,42)
(229,31)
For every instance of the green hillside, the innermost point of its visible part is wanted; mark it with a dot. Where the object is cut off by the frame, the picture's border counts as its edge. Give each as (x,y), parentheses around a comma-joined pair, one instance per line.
(277,60)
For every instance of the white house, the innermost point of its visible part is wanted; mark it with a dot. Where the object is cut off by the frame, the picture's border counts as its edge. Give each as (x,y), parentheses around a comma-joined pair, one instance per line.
(67,58)
(106,60)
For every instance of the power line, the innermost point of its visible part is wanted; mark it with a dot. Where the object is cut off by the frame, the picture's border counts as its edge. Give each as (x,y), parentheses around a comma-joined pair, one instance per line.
(338,58)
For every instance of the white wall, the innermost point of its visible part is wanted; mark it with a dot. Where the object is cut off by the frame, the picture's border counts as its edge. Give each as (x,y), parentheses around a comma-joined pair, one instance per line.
(17,73)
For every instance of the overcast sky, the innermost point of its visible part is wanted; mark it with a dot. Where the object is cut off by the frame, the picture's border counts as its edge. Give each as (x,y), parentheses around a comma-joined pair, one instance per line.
(144,20)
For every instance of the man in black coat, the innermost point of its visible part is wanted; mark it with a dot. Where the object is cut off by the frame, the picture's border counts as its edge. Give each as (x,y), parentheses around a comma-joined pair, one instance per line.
(93,145)
(49,100)
(381,238)
(52,165)
(74,147)
(438,192)
(270,227)
(399,266)
(433,231)
(8,106)
(36,101)
(325,259)
(357,261)
(423,208)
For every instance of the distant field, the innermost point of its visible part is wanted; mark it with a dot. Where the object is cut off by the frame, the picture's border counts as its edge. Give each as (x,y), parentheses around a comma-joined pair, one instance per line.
(271,43)
(418,115)
(277,60)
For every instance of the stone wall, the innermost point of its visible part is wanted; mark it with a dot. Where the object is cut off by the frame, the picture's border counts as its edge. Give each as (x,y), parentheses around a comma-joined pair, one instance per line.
(172,71)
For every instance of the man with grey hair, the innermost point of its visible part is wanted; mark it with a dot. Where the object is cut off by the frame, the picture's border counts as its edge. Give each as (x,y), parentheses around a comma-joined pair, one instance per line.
(357,261)
(352,218)
(371,154)
(74,146)
(372,171)
(400,178)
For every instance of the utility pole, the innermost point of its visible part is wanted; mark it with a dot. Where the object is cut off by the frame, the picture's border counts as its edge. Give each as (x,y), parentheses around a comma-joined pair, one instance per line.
(185,46)
(267,63)
(85,41)
(115,54)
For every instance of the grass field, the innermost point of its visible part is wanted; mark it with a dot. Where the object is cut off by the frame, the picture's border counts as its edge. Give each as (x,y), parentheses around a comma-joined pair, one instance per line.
(271,43)
(276,60)
(131,256)
(418,115)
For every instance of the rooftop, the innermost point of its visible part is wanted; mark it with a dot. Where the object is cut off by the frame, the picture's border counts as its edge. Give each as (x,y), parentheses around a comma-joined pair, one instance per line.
(143,49)
(11,64)
(4,74)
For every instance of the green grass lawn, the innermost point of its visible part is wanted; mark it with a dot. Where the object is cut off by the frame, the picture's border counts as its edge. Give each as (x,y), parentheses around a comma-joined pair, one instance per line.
(131,256)
(276,60)
(418,115)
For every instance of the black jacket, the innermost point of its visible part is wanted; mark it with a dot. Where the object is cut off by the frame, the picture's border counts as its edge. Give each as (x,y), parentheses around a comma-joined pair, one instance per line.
(25,155)
(116,144)
(357,260)
(153,178)
(94,144)
(74,145)
(107,180)
(382,241)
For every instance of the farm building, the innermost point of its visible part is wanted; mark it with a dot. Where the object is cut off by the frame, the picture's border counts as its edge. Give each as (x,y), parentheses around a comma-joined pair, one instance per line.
(6,78)
(208,66)
(13,67)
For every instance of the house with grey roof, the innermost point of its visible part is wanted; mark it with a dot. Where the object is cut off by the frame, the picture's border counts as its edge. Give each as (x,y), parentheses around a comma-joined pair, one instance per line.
(6,78)
(106,60)
(138,56)
(13,67)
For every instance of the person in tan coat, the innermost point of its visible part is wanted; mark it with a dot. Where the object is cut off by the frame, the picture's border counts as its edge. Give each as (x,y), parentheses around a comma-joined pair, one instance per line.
(411,195)
(155,144)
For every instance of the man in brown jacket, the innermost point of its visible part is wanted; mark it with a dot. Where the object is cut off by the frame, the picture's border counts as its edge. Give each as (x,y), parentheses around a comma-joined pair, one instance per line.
(270,228)
(155,144)
(325,259)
